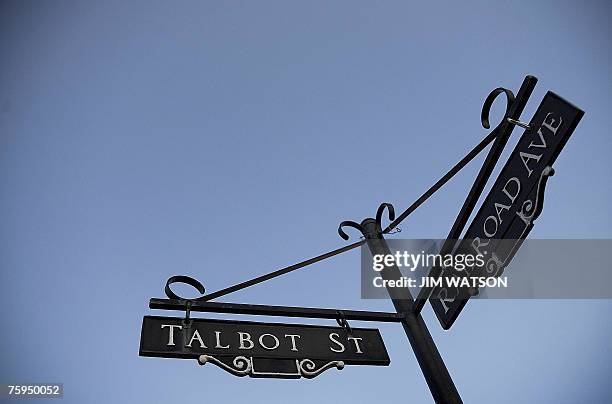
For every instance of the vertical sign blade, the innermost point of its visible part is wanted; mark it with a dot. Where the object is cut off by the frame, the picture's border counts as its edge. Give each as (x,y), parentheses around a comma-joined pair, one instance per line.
(502,215)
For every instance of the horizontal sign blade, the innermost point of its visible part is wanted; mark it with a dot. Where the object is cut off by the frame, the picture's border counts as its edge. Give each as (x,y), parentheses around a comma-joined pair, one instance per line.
(273,346)
(515,200)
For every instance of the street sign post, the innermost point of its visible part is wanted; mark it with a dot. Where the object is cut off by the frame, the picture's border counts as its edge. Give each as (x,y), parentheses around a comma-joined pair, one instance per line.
(294,351)
(262,349)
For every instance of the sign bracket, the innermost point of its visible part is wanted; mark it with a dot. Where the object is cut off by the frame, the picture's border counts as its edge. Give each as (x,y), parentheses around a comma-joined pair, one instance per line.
(272,311)
(514,107)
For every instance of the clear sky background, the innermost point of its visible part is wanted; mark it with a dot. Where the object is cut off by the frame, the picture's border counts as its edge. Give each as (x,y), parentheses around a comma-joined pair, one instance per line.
(227,139)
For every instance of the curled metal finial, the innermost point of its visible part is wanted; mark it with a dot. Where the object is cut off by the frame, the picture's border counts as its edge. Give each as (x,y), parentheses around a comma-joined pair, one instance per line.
(486,107)
(187,280)
(379,213)
(348,223)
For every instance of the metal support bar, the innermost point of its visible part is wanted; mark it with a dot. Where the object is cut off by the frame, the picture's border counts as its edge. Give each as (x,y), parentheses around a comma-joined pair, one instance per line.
(435,187)
(283,271)
(432,365)
(280,311)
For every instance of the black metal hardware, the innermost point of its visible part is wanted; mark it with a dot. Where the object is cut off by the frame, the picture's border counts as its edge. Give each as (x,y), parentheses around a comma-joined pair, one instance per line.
(280,311)
(187,320)
(187,280)
(341,320)
(280,272)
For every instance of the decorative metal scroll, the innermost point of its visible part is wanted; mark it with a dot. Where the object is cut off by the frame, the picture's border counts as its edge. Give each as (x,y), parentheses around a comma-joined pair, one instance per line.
(530,210)
(378,221)
(245,366)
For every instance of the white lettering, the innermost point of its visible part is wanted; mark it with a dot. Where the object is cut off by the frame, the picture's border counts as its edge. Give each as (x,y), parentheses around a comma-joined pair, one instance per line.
(196,335)
(293,337)
(518,189)
(550,125)
(218,338)
(355,340)
(486,232)
(476,244)
(335,341)
(499,208)
(171,332)
(264,346)
(245,337)
(526,157)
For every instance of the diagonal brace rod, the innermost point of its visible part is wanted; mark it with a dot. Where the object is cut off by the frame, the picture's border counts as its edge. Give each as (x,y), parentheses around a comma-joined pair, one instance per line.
(433,189)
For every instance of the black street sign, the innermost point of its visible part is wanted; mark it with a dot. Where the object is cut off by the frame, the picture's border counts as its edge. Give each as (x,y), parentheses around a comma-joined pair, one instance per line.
(262,349)
(514,202)
(292,351)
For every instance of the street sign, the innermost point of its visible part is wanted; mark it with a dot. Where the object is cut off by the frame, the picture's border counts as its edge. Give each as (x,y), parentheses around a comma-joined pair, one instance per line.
(262,349)
(514,202)
(293,351)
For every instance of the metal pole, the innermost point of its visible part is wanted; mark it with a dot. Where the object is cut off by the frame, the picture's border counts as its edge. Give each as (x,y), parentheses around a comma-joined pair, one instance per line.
(438,379)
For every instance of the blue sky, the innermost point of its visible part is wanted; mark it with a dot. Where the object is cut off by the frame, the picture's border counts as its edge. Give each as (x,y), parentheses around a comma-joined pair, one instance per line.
(224,140)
